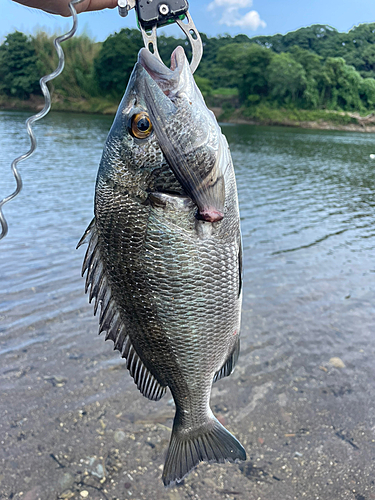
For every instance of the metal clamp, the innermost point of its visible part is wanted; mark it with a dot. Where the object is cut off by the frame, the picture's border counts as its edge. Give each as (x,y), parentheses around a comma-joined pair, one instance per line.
(124,6)
(152,15)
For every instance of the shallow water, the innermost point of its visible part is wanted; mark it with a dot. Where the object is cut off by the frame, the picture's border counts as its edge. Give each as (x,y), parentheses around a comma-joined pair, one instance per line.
(307,201)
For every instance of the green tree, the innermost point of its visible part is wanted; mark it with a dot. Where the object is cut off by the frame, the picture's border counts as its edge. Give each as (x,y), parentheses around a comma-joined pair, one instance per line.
(167,44)
(342,85)
(210,66)
(319,38)
(312,64)
(204,85)
(229,63)
(116,60)
(367,68)
(19,74)
(287,79)
(245,66)
(254,81)
(367,93)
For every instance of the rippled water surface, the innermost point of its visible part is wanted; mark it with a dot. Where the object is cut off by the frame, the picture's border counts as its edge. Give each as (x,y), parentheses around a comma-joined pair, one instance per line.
(307,201)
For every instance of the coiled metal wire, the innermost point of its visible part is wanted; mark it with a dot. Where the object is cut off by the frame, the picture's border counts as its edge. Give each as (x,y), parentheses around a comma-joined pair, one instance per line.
(29,122)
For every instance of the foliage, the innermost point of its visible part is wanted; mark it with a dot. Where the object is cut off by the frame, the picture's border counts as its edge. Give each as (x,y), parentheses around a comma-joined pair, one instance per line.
(18,66)
(245,67)
(314,68)
(204,85)
(265,113)
(116,59)
(287,79)
(78,80)
(367,92)
(342,85)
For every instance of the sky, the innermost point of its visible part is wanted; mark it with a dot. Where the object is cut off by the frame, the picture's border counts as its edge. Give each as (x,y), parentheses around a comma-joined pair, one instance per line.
(213,17)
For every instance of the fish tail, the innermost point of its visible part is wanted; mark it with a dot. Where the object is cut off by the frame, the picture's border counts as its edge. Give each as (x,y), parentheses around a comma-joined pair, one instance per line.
(209,443)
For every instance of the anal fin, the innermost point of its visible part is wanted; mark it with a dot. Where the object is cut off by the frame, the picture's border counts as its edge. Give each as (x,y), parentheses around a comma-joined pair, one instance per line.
(110,320)
(229,364)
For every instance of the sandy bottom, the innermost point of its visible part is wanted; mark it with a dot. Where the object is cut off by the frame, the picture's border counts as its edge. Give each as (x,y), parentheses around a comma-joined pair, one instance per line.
(70,431)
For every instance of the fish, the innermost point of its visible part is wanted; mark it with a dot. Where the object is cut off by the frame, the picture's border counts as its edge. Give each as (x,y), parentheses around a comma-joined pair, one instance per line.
(164,256)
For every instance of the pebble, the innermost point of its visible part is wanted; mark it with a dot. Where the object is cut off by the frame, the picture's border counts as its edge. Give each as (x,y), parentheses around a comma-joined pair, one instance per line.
(337,362)
(119,436)
(56,380)
(210,483)
(173,495)
(84,493)
(66,481)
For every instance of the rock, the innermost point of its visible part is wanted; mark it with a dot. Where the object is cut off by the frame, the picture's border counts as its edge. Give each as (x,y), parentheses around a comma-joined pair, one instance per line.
(173,495)
(56,380)
(209,483)
(65,481)
(282,399)
(337,363)
(95,468)
(84,493)
(66,495)
(119,436)
(32,494)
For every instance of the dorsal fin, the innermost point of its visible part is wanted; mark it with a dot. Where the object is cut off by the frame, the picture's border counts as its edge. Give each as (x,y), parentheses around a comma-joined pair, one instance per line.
(229,364)
(110,319)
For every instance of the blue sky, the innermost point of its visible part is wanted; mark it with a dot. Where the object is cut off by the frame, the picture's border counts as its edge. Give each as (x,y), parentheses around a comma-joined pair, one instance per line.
(213,17)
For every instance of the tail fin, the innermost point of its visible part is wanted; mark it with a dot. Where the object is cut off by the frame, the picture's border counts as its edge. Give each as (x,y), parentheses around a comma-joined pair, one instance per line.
(210,443)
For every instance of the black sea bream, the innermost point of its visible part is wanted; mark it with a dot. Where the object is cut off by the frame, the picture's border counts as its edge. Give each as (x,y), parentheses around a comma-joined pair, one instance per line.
(164,255)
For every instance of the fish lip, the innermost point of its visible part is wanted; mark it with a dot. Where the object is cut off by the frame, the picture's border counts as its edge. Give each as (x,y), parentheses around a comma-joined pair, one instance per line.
(210,215)
(167,79)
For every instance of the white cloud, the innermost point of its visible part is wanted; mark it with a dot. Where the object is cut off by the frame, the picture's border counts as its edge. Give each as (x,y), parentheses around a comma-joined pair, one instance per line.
(250,20)
(230,4)
(231,15)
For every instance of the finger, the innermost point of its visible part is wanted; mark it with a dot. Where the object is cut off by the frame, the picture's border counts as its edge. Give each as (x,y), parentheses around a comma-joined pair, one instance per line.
(91,5)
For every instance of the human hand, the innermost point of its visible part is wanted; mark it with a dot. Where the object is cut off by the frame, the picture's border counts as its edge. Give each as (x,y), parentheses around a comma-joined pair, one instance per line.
(61,7)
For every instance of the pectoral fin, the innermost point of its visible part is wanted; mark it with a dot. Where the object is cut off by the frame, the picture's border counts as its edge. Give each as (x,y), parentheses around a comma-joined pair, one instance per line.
(229,364)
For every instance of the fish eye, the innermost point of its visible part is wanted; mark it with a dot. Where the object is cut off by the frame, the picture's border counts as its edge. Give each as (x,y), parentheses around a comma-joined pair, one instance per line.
(141,126)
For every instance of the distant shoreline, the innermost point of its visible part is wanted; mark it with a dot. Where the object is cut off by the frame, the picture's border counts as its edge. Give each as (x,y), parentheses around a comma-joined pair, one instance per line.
(98,106)
(312,125)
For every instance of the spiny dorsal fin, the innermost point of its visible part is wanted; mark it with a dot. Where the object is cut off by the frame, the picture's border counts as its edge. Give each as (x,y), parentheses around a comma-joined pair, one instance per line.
(110,319)
(230,363)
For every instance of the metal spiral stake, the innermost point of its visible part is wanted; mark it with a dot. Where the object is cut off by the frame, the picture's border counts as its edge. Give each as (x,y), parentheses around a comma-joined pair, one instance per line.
(47,106)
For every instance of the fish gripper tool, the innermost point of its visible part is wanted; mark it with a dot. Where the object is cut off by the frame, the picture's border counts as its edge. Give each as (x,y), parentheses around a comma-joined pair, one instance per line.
(152,15)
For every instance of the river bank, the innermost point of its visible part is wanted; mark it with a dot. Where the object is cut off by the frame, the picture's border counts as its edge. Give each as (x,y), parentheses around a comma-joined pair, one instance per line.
(259,115)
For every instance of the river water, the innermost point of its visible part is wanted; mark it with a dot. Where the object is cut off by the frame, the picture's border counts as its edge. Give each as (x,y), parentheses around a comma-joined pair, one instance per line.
(71,419)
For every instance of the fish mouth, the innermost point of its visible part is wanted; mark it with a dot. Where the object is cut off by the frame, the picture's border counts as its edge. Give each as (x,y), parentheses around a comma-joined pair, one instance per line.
(168,79)
(172,97)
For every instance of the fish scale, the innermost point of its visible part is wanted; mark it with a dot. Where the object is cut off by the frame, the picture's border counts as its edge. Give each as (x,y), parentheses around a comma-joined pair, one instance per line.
(164,255)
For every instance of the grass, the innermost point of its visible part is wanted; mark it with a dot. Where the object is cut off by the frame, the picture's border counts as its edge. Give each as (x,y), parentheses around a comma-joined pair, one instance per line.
(232,92)
(266,114)
(98,105)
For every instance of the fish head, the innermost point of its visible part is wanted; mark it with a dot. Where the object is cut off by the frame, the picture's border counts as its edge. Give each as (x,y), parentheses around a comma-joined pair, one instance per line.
(132,159)
(163,121)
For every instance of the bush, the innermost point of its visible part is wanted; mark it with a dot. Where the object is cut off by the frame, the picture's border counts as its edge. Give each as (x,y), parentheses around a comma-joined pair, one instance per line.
(19,75)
